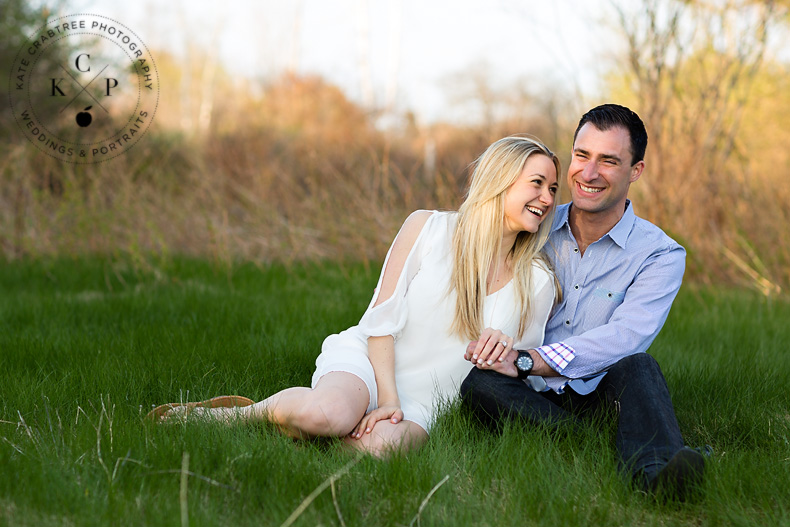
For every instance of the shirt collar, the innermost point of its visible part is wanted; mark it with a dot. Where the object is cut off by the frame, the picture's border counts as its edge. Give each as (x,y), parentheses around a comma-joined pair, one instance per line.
(561,217)
(619,233)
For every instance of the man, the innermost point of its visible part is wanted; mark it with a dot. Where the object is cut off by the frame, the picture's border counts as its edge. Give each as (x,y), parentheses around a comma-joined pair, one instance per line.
(619,275)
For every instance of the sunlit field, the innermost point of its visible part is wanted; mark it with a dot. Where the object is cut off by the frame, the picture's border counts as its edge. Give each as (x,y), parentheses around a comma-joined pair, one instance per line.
(88,345)
(215,256)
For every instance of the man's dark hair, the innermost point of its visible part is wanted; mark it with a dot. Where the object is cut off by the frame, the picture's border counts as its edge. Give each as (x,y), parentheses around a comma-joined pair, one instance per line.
(608,116)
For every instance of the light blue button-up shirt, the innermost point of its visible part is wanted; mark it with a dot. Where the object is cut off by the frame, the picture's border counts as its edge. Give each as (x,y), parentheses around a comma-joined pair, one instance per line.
(615,299)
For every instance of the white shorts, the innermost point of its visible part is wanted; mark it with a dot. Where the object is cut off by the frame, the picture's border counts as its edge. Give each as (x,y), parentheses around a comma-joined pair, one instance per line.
(345,353)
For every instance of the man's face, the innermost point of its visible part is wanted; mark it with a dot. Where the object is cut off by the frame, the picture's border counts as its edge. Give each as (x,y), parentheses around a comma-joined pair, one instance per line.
(600,171)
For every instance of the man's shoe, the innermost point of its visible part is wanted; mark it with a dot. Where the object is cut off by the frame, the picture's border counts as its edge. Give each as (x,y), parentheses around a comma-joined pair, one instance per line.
(680,476)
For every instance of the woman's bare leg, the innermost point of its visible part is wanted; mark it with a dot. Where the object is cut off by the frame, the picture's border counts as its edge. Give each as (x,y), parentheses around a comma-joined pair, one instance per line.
(387,437)
(333,408)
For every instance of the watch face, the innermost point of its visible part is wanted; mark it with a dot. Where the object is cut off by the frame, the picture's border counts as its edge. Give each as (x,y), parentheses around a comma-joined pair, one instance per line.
(524,362)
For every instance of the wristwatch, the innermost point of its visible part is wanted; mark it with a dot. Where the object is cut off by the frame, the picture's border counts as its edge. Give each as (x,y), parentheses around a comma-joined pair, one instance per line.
(524,364)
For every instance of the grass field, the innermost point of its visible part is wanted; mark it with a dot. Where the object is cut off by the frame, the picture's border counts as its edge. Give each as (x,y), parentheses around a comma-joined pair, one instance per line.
(87,346)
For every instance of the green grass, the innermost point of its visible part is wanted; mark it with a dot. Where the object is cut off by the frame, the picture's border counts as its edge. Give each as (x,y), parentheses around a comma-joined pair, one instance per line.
(87,346)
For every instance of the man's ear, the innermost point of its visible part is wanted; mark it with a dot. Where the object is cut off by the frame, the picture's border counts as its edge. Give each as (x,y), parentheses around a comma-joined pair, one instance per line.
(636,171)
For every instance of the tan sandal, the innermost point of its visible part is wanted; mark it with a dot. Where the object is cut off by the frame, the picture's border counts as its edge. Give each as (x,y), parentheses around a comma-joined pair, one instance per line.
(223,401)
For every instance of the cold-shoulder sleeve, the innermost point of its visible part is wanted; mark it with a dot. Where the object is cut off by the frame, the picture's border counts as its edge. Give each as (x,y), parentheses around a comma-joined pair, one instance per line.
(389,317)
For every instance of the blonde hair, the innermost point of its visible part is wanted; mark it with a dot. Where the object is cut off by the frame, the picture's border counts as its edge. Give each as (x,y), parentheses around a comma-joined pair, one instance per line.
(478,235)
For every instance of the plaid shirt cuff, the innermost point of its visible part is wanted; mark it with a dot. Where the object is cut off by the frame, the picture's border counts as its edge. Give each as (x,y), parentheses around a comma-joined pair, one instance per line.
(558,355)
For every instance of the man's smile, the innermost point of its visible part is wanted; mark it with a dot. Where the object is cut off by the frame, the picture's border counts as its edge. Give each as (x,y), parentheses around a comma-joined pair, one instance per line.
(591,190)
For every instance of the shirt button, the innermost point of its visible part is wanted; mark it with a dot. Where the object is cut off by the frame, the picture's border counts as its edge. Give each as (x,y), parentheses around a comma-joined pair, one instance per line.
(576,249)
(576,286)
(567,322)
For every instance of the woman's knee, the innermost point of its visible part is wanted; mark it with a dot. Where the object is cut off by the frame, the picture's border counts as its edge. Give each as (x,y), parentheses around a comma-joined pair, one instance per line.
(387,438)
(324,416)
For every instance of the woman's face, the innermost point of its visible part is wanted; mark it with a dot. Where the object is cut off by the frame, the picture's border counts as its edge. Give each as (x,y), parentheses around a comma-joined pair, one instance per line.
(531,196)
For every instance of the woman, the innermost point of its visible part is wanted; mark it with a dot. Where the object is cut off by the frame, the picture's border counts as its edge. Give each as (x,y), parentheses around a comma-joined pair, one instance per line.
(448,278)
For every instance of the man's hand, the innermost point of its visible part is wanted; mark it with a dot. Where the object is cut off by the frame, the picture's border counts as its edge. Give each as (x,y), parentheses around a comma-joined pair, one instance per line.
(505,365)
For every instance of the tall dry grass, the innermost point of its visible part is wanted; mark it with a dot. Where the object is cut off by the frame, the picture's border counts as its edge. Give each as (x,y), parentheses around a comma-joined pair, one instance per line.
(289,170)
(715,102)
(298,172)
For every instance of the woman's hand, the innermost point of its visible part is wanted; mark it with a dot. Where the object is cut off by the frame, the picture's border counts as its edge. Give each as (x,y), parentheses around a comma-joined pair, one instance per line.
(391,412)
(492,346)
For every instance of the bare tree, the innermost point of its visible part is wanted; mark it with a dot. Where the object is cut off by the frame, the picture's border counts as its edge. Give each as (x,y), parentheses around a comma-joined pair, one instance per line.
(691,67)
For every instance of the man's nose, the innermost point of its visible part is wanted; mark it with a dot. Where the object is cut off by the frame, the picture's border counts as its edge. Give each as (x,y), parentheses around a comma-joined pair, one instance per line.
(590,171)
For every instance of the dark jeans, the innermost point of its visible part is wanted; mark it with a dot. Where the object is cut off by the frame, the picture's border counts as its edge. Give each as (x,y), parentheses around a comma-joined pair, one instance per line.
(647,430)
